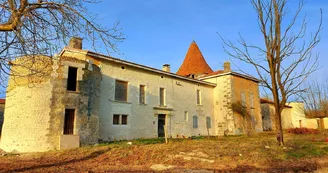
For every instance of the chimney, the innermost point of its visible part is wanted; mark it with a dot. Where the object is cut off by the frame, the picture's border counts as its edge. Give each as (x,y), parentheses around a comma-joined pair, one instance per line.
(226,66)
(75,42)
(166,67)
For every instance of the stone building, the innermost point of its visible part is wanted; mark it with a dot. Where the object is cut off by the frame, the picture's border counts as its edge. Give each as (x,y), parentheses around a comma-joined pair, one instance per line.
(84,97)
(293,116)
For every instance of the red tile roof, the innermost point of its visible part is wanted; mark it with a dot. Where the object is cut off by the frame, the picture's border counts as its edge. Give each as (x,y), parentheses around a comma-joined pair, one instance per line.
(2,101)
(194,62)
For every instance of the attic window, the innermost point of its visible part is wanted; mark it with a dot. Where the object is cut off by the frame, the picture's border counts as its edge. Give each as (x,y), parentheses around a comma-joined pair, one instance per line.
(123,67)
(71,80)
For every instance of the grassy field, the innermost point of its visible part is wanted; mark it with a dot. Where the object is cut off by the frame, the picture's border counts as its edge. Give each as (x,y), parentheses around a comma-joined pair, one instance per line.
(258,153)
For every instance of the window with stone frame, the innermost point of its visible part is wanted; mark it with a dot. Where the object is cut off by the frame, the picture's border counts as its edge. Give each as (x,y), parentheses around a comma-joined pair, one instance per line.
(195,121)
(186,116)
(199,97)
(142,94)
(116,119)
(72,79)
(208,122)
(120,119)
(243,99)
(69,121)
(162,96)
(121,91)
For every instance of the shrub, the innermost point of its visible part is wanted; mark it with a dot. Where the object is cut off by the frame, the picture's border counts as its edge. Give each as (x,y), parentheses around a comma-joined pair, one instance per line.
(303,130)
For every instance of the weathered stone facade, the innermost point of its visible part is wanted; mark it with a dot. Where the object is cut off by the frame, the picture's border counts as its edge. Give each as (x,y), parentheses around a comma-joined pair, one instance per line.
(186,105)
(40,109)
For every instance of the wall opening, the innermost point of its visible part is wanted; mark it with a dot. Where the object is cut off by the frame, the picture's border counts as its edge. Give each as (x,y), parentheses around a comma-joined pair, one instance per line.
(69,121)
(71,80)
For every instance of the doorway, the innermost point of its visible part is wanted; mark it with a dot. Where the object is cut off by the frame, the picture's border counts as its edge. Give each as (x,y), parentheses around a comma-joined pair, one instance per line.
(161,123)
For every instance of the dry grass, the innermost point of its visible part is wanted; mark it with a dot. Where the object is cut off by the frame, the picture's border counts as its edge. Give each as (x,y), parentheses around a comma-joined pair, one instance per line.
(233,153)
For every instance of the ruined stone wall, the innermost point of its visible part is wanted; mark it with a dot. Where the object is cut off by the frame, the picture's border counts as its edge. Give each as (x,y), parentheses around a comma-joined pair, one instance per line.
(251,91)
(180,96)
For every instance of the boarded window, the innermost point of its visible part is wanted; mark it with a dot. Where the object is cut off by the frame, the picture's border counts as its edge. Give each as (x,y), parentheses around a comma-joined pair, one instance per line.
(186,115)
(142,94)
(198,97)
(251,100)
(208,122)
(161,96)
(124,119)
(243,99)
(71,79)
(121,91)
(116,119)
(69,121)
(195,121)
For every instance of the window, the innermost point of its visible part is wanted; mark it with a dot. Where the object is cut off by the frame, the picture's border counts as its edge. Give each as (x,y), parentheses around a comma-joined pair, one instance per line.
(208,122)
(251,100)
(243,99)
(161,96)
(71,79)
(198,97)
(120,119)
(69,121)
(142,94)
(124,119)
(186,116)
(116,119)
(195,121)
(121,91)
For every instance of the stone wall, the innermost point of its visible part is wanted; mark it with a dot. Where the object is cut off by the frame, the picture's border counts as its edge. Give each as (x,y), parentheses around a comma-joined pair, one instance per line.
(180,96)
(37,104)
(251,92)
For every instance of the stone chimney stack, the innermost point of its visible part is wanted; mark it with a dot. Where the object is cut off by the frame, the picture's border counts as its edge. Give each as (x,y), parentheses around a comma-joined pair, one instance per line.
(166,67)
(226,66)
(75,42)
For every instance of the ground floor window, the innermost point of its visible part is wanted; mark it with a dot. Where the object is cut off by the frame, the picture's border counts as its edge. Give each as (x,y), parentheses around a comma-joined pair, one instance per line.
(208,122)
(69,121)
(120,119)
(195,121)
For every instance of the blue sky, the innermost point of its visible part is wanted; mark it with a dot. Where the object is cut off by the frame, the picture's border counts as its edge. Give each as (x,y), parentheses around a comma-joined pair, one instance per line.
(160,31)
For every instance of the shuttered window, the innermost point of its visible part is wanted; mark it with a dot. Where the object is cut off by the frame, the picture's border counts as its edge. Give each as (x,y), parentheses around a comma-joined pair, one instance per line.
(198,97)
(243,99)
(208,122)
(161,96)
(142,94)
(116,119)
(195,121)
(121,91)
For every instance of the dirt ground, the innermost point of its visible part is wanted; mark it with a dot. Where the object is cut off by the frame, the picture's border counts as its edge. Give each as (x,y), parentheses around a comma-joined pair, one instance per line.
(258,153)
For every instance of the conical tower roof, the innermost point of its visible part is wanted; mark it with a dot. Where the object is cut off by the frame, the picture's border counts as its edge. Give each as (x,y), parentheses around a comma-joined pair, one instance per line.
(194,62)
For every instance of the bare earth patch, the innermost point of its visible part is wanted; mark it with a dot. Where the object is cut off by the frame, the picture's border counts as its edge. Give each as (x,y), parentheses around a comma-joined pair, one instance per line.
(229,154)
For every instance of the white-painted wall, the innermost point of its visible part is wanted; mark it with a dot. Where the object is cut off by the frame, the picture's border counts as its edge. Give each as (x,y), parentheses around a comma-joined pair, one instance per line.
(142,118)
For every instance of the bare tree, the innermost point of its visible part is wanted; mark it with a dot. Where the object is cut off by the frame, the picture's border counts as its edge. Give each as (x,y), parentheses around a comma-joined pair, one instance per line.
(316,100)
(286,60)
(41,27)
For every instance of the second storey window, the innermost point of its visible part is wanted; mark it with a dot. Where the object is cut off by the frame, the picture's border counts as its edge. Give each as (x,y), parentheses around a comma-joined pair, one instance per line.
(71,79)
(121,91)
(142,94)
(198,97)
(243,99)
(161,96)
